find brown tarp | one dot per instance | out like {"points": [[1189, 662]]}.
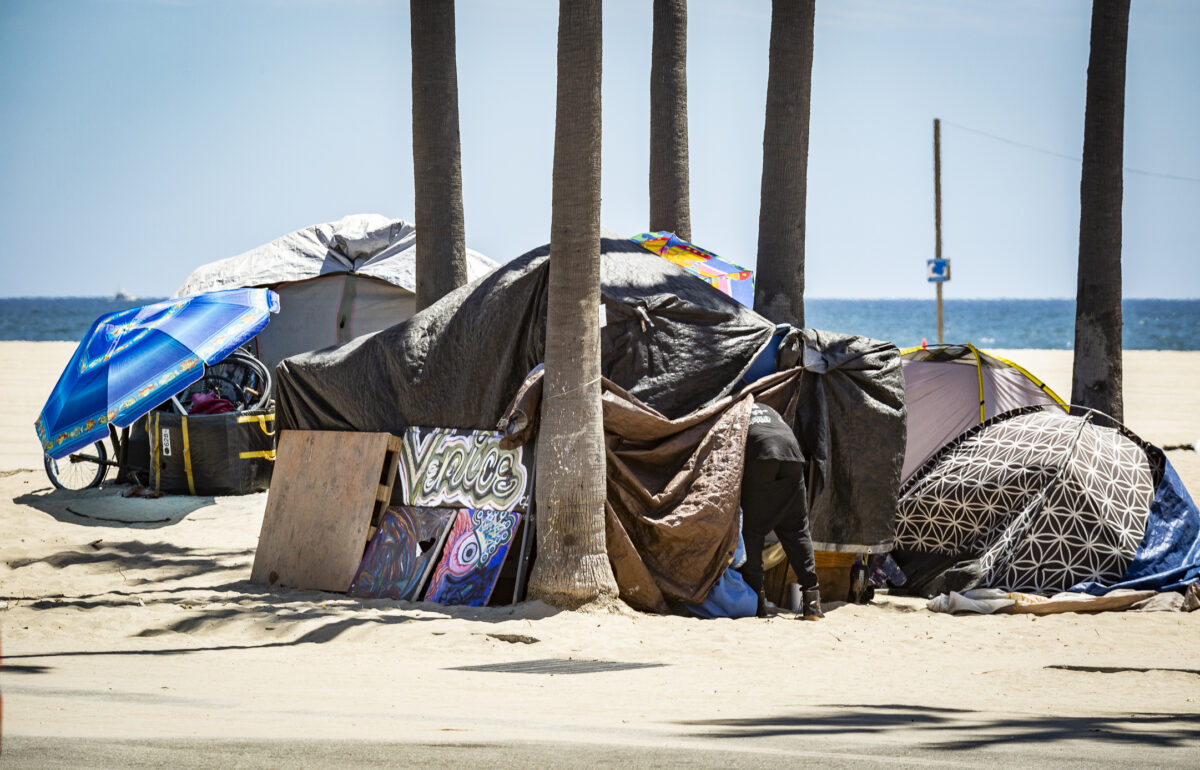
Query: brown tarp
{"points": [[673, 486]]}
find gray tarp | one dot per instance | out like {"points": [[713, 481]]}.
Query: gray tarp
{"points": [[855, 407], [671, 340], [336, 281], [363, 244]]}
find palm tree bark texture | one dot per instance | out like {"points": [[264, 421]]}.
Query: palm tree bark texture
{"points": [[779, 281], [572, 566], [441, 263], [1096, 381], [670, 207]]}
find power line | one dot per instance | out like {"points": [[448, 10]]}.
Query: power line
{"points": [[1042, 150]]}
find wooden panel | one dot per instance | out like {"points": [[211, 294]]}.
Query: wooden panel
{"points": [[324, 493], [833, 573], [387, 479]]}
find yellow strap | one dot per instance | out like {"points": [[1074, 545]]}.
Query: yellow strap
{"points": [[152, 429], [266, 454], [261, 419], [1043, 386], [979, 374], [187, 458]]}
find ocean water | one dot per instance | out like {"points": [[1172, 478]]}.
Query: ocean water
{"points": [[41, 319], [1150, 324]]}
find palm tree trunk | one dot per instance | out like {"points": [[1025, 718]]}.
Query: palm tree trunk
{"points": [[1096, 379], [441, 263], [572, 565], [669, 194], [779, 281]]}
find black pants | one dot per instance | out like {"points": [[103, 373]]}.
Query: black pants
{"points": [[774, 497]]}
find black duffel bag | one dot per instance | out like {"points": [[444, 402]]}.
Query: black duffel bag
{"points": [[213, 454]]}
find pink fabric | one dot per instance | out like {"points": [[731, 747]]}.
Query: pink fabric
{"points": [[210, 403]]}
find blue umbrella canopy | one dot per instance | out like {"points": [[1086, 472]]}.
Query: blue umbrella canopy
{"points": [[131, 361]]}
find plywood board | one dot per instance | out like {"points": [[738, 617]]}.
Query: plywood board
{"points": [[326, 489]]}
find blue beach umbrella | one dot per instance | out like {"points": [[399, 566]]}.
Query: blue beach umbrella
{"points": [[131, 361]]}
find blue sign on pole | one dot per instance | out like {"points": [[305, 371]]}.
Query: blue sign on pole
{"points": [[937, 270]]}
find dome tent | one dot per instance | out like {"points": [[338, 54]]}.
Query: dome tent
{"points": [[1040, 500], [951, 388], [335, 281]]}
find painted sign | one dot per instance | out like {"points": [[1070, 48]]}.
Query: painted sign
{"points": [[472, 558], [447, 468]]}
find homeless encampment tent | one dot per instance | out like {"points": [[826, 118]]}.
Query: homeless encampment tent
{"points": [[949, 388], [335, 281], [1040, 500], [675, 352]]}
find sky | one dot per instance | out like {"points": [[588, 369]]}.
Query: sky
{"points": [[140, 139]]}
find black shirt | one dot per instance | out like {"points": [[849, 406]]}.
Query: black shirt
{"points": [[770, 438]]}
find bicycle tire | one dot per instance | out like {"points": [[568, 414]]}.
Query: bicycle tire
{"points": [[70, 473], [255, 370]]}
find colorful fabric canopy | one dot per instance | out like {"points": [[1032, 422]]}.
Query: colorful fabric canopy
{"points": [[736, 281]]}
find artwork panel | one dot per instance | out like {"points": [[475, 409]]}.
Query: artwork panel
{"points": [[471, 560], [402, 553]]}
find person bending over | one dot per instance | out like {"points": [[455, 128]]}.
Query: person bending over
{"points": [[775, 497]]}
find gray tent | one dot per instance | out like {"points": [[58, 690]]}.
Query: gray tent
{"points": [[951, 388], [336, 281]]}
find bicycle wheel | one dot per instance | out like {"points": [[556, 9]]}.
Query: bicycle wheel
{"points": [[251, 376], [79, 470]]}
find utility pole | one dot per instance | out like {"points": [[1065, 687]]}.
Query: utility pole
{"points": [[937, 217]]}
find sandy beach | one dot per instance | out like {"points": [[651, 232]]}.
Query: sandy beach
{"points": [[149, 641]]}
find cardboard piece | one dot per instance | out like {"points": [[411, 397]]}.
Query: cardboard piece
{"points": [[329, 487]]}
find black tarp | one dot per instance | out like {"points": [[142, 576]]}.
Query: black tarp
{"points": [[671, 340], [850, 420], [673, 484]]}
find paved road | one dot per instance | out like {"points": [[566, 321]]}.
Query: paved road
{"points": [[841, 737]]}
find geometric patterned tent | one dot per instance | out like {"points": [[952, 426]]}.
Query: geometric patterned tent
{"points": [[1039, 499]]}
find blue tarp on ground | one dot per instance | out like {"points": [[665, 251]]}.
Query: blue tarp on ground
{"points": [[730, 596], [1169, 557]]}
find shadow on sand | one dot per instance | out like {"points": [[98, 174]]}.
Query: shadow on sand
{"points": [[105, 507], [168, 562], [211, 605], [327, 632], [954, 729]]}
